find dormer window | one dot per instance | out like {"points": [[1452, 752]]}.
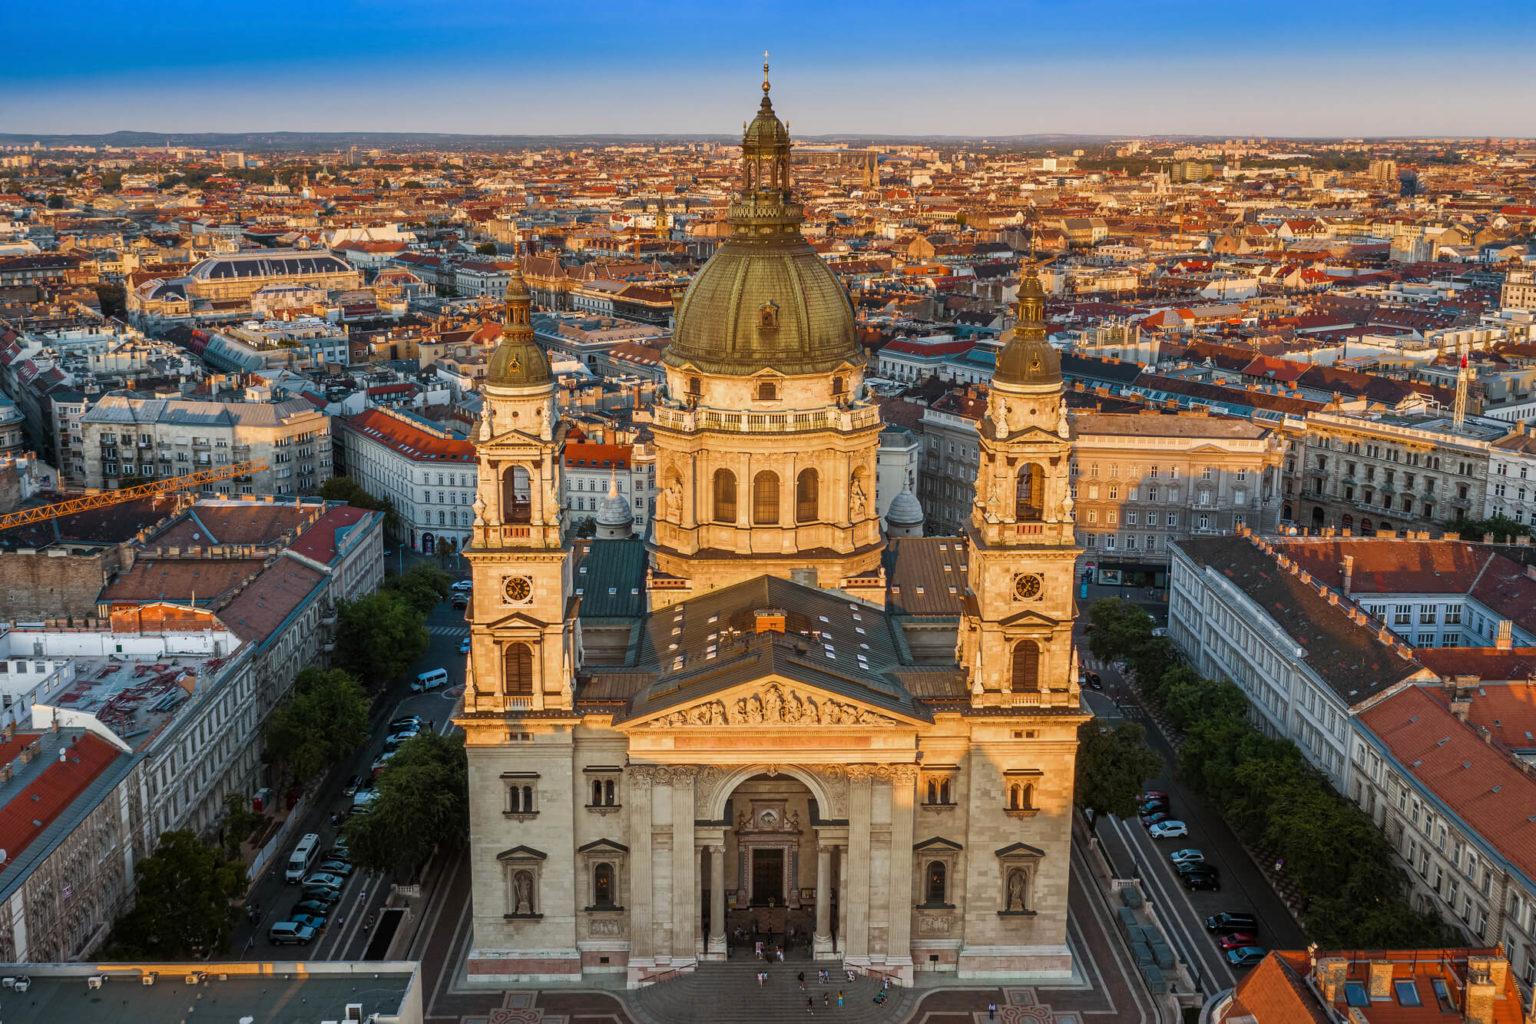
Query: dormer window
{"points": [[768, 316], [693, 386], [767, 391]]}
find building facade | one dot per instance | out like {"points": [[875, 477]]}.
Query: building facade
{"points": [[426, 473], [128, 438], [762, 753]]}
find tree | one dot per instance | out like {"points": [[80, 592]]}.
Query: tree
{"points": [[422, 803], [486, 248], [183, 906], [421, 586], [344, 488], [1503, 528], [239, 822], [1112, 766], [324, 721], [1116, 627], [586, 526], [378, 636]]}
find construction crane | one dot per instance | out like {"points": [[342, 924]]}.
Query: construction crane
{"points": [[104, 499]]}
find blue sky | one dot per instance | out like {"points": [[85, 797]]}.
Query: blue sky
{"points": [[1248, 67]]}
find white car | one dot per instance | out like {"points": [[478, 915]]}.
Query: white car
{"points": [[1187, 857], [1168, 830], [463, 586]]}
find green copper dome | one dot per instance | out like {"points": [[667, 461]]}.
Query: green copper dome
{"points": [[1027, 357], [765, 299], [518, 361]]}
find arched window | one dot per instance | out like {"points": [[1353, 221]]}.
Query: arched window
{"points": [[602, 886], [1029, 497], [516, 496], [608, 792], [1027, 797], [1348, 522], [725, 496], [597, 793], [693, 387], [1026, 667], [936, 879], [517, 670], [933, 791], [765, 498], [944, 792], [1366, 529], [1014, 797], [806, 497], [767, 391]]}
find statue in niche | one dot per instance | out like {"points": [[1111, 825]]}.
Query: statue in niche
{"points": [[857, 498], [522, 893], [1016, 890]]}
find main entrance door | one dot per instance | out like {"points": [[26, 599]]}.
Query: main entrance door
{"points": [[768, 878]]}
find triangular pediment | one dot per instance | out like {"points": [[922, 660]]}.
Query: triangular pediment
{"points": [[1029, 617], [522, 853], [514, 620], [937, 844], [771, 702]]}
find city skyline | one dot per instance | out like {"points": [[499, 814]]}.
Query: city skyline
{"points": [[1309, 70]]}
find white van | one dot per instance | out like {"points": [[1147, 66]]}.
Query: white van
{"points": [[298, 860], [430, 680]]}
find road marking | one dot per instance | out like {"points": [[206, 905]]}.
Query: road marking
{"points": [[1212, 966], [457, 631]]}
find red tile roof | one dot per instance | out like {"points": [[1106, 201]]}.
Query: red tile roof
{"points": [[408, 439], [597, 456], [27, 814], [1476, 780], [322, 539]]}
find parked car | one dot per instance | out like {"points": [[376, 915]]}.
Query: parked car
{"points": [[1151, 794], [1153, 806], [1246, 956], [463, 586], [460, 600], [364, 798], [351, 786], [1232, 921], [1156, 817], [1236, 940], [311, 908], [315, 921], [1187, 856], [323, 893], [1199, 876], [290, 933], [325, 878], [394, 739], [340, 868], [341, 851], [406, 722], [382, 760], [464, 646], [1168, 829], [1160, 631], [1095, 682], [432, 679]]}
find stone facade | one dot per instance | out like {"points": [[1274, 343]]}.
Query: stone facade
{"points": [[748, 750]]}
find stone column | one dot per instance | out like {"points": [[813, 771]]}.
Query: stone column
{"points": [[637, 804], [822, 944], [685, 882], [898, 950], [857, 894], [841, 939], [698, 880], [717, 944]]}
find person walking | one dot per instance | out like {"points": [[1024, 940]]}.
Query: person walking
{"points": [[801, 978], [991, 1011], [810, 1006], [839, 998], [826, 999]]}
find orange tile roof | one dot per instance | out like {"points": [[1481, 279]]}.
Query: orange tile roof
{"points": [[1475, 780], [597, 456], [410, 441], [28, 813]]}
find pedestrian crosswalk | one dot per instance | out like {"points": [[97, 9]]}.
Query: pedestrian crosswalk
{"points": [[454, 631]]}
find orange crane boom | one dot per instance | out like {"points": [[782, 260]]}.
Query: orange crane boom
{"points": [[103, 499]]}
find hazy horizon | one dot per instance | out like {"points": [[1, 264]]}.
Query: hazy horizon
{"points": [[1306, 69]]}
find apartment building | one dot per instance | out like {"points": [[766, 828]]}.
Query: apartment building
{"points": [[1519, 290], [591, 469], [1512, 476], [1386, 473], [427, 473], [124, 437]]}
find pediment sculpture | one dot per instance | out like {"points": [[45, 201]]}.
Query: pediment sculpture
{"points": [[775, 705]]}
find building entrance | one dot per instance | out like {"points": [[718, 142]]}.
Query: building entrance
{"points": [[768, 878]]}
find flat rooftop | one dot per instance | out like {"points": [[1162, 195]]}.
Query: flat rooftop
{"points": [[290, 993]]}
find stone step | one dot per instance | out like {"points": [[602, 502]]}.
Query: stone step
{"points": [[717, 993]]}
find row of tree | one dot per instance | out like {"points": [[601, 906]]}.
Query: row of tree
{"points": [[1354, 896]]}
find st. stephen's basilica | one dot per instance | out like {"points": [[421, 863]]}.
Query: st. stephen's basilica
{"points": [[775, 715]]}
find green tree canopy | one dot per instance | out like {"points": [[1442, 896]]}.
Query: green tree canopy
{"points": [[1113, 764], [423, 803], [1503, 529], [378, 636], [324, 720], [183, 906], [344, 488], [486, 248], [421, 586]]}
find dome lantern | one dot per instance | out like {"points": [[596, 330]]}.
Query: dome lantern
{"points": [[1027, 359], [518, 361]]}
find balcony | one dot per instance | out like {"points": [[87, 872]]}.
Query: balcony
{"points": [[844, 420]]}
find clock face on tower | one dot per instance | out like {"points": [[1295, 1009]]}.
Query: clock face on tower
{"points": [[1026, 586], [518, 589]]}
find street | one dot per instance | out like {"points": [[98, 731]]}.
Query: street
{"points": [[1136, 854], [349, 923]]}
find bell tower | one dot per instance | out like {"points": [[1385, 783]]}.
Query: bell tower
{"points": [[521, 656], [1016, 640]]}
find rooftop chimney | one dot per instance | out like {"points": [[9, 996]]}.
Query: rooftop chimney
{"points": [[1480, 996], [1504, 635], [1330, 976], [1349, 571], [1380, 984]]}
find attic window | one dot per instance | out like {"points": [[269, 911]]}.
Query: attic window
{"points": [[1407, 992]]}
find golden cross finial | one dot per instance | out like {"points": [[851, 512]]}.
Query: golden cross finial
{"points": [[765, 72]]}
